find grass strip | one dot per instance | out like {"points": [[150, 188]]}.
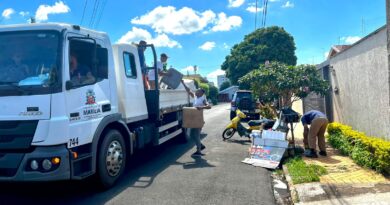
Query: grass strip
{"points": [[301, 172]]}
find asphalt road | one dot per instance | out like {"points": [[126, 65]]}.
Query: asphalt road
{"points": [[167, 175]]}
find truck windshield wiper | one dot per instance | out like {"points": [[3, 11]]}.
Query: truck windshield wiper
{"points": [[13, 84]]}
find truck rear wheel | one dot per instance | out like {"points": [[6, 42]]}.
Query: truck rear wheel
{"points": [[111, 159]]}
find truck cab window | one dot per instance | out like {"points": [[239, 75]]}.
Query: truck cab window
{"points": [[87, 64], [129, 64]]}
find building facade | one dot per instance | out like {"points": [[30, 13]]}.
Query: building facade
{"points": [[360, 86], [221, 79]]}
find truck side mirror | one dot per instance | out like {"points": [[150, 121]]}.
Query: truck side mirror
{"points": [[68, 85]]}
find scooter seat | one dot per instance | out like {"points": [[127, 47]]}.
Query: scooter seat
{"points": [[267, 123], [255, 122]]}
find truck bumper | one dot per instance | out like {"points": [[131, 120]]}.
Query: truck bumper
{"points": [[16, 166]]}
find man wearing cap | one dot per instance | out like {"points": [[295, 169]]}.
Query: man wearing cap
{"points": [[161, 68], [141, 49]]}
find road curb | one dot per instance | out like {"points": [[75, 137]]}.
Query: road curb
{"points": [[291, 187]]}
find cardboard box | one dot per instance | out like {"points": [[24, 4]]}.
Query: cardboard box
{"points": [[173, 79], [192, 117]]}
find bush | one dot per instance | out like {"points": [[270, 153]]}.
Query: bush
{"points": [[370, 152]]}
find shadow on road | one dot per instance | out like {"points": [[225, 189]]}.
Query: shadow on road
{"points": [[243, 141], [141, 171]]}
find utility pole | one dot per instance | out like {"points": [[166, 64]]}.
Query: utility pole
{"points": [[256, 16], [388, 37]]}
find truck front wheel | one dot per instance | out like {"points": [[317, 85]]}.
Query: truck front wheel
{"points": [[111, 159]]}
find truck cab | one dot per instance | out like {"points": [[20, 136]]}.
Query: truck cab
{"points": [[72, 105]]}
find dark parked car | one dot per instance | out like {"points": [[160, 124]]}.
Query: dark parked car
{"points": [[244, 100]]}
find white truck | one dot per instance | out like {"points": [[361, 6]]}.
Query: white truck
{"points": [[68, 119]]}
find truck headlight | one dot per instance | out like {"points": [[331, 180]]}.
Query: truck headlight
{"points": [[46, 164], [34, 165]]}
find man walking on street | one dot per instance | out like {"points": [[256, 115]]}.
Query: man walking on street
{"points": [[318, 123], [200, 102]]}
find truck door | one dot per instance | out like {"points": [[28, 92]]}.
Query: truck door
{"points": [[87, 87]]}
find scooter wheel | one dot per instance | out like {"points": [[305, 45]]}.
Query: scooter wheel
{"points": [[228, 133]]}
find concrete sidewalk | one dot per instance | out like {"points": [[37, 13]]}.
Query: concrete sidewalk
{"points": [[345, 183]]}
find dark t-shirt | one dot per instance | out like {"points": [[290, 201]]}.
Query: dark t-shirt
{"points": [[142, 60], [308, 117]]}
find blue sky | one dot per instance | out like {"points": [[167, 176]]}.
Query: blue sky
{"points": [[201, 32]]}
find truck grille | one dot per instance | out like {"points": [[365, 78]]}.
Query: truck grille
{"points": [[9, 163], [16, 135], [7, 172]]}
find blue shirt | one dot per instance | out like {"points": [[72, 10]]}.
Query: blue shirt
{"points": [[311, 115]]}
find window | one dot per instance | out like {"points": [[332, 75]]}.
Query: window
{"points": [[88, 62], [30, 63], [129, 63]]}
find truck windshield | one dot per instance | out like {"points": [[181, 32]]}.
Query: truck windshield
{"points": [[29, 62]]}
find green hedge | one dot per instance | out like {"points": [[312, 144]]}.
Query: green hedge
{"points": [[370, 152]]}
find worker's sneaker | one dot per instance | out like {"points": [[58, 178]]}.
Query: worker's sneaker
{"points": [[197, 154], [312, 154], [323, 153], [202, 147]]}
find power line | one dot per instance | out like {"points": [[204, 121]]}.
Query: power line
{"points": [[82, 17], [256, 16], [95, 6], [265, 12], [100, 13]]}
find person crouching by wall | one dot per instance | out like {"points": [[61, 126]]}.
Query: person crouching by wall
{"points": [[318, 123]]}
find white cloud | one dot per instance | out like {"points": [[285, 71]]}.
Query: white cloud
{"points": [[213, 76], [190, 69], [350, 39], [288, 4], [177, 22], [170, 20], [24, 13], [207, 46], [273, 0], [326, 54], [236, 3], [224, 23], [44, 10], [137, 34], [252, 9], [226, 46], [7, 13], [215, 73]]}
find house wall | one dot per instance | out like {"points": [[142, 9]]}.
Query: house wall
{"points": [[229, 92], [362, 77]]}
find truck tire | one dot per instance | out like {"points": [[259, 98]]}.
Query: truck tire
{"points": [[112, 155]]}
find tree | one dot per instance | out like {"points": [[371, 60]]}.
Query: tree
{"points": [[205, 87], [285, 83], [225, 85], [213, 94], [272, 44]]}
